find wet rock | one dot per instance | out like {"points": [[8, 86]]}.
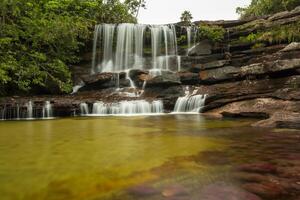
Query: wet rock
{"points": [[270, 67], [292, 47], [258, 168], [219, 74], [174, 191], [202, 48], [212, 65], [189, 78], [223, 191], [103, 80], [266, 190], [249, 177], [142, 190], [281, 120], [257, 115], [166, 79]]}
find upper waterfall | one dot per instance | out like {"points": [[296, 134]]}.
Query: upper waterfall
{"points": [[133, 46]]}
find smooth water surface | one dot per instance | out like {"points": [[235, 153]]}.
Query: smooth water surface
{"points": [[150, 157]]}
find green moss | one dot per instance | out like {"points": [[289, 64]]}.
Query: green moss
{"points": [[276, 35]]}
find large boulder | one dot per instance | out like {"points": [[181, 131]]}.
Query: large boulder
{"points": [[270, 67], [104, 80], [202, 48], [166, 79], [189, 78], [219, 74]]}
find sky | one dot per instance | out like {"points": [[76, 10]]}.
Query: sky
{"points": [[169, 11]]}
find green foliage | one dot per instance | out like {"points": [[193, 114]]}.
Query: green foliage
{"points": [[276, 35], [181, 40], [186, 17], [211, 32], [266, 7], [40, 39]]}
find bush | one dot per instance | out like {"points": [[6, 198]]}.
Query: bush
{"points": [[211, 32]]}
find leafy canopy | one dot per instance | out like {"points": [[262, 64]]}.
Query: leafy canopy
{"points": [[266, 7]]}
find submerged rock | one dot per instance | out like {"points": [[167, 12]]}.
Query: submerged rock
{"points": [[224, 191], [174, 191], [143, 190]]}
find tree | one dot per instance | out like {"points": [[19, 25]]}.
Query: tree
{"points": [[186, 17], [41, 39], [266, 7], [135, 5]]}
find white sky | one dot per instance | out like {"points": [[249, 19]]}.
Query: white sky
{"points": [[169, 11]]}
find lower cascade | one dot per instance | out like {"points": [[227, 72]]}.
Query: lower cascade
{"points": [[190, 103], [29, 110], [123, 108]]}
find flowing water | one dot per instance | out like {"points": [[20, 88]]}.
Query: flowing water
{"points": [[121, 47], [154, 157]]}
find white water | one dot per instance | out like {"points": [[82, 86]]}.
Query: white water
{"points": [[191, 37], [137, 107], [179, 63], [84, 109], [29, 110], [132, 85], [190, 103], [47, 110], [76, 88], [129, 42]]}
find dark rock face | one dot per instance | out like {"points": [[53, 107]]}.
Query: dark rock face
{"points": [[166, 79], [202, 48]]}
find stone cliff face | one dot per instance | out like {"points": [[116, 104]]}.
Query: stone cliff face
{"points": [[239, 78]]}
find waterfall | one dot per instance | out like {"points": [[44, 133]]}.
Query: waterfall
{"points": [[190, 103], [3, 113], [29, 110], [139, 46], [191, 33], [179, 63], [132, 85], [189, 36], [84, 109], [128, 108], [47, 110], [121, 47]]}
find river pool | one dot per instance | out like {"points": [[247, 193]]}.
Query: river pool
{"points": [[147, 157]]}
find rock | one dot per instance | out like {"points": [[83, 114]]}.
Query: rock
{"points": [[223, 191], [174, 191], [166, 79], [219, 74], [189, 78], [202, 48], [249, 177], [258, 168], [281, 120], [104, 80], [270, 67], [266, 190], [212, 65], [142, 190], [257, 115], [294, 46]]}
